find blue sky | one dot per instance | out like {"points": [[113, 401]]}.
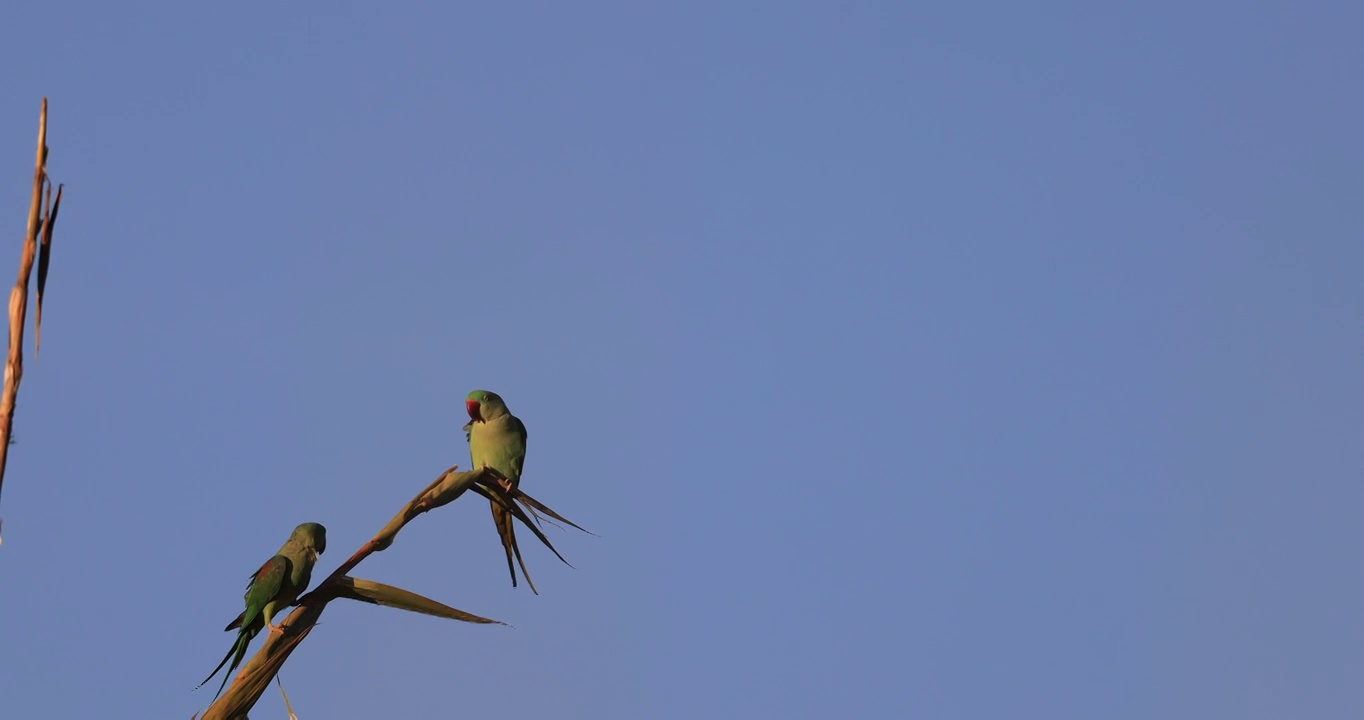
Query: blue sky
{"points": [[955, 361]]}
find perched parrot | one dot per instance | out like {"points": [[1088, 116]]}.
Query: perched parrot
{"points": [[276, 585], [497, 439]]}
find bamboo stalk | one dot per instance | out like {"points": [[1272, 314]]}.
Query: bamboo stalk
{"points": [[18, 296]]}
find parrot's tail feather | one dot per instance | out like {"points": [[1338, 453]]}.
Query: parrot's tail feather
{"points": [[236, 661], [511, 532], [502, 522], [236, 653], [238, 649], [220, 666]]}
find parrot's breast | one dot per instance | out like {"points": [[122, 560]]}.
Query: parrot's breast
{"points": [[497, 445]]}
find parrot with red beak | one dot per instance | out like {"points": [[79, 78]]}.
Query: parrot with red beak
{"points": [[497, 439]]}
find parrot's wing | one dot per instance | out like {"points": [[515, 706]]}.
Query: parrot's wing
{"points": [[262, 575], [251, 585], [518, 460], [265, 585]]}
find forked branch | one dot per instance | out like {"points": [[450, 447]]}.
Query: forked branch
{"points": [[255, 676]]}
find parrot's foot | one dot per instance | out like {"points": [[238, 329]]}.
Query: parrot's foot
{"points": [[274, 629], [506, 484]]}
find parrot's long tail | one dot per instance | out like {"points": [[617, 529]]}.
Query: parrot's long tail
{"points": [[235, 653], [506, 532]]}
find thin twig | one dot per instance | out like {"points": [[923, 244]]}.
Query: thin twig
{"points": [[287, 706]]}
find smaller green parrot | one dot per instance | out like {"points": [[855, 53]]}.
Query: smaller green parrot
{"points": [[276, 585]]}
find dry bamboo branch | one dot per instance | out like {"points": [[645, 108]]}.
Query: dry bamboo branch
{"points": [[18, 296], [255, 676]]}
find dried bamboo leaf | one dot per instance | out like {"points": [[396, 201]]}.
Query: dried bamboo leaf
{"points": [[497, 495], [532, 504], [390, 596], [45, 257]]}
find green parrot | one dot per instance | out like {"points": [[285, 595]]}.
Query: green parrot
{"points": [[276, 585], [497, 439]]}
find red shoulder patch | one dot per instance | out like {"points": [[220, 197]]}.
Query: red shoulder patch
{"points": [[265, 569]]}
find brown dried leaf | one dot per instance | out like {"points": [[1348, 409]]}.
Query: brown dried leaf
{"points": [[389, 596], [497, 495], [532, 504], [44, 258]]}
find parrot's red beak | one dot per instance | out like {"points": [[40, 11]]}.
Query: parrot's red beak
{"points": [[472, 407]]}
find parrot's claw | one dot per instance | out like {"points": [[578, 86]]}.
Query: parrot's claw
{"points": [[506, 484], [274, 629]]}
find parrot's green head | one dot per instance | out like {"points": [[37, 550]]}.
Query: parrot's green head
{"points": [[484, 405], [311, 535]]}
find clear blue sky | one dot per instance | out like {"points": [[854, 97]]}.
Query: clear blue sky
{"points": [[964, 361]]}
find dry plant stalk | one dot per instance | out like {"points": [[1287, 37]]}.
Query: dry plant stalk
{"points": [[42, 217], [254, 677]]}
